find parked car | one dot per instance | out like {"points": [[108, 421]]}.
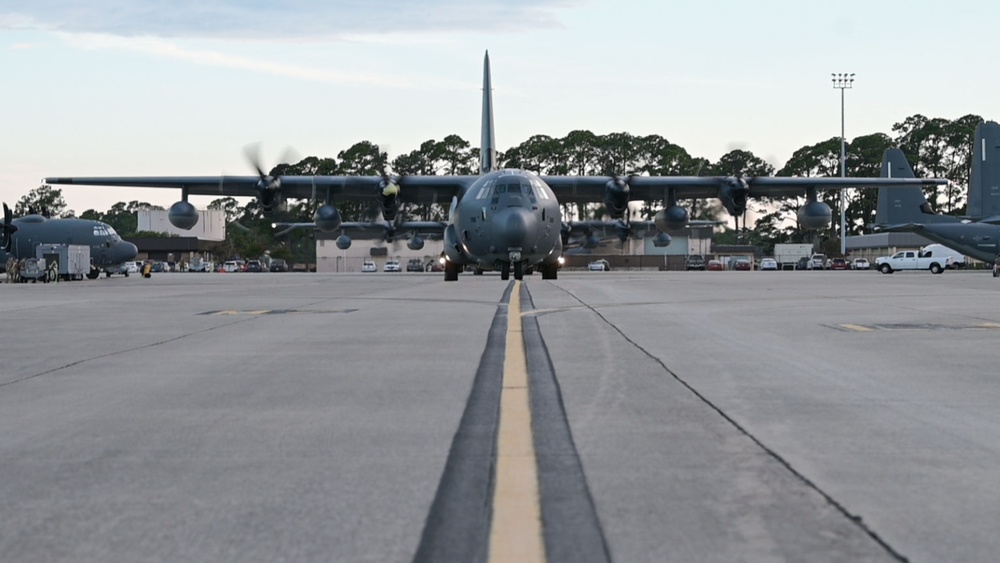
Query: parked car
{"points": [[817, 262], [768, 264], [715, 266], [415, 265], [230, 266], [254, 266], [599, 266], [278, 265], [742, 264], [802, 264], [694, 262], [861, 264], [839, 264], [392, 265], [368, 266]]}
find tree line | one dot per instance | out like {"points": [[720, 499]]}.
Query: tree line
{"points": [[935, 147]]}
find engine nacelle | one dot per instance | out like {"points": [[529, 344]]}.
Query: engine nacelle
{"points": [[388, 199], [343, 242], [616, 193], [661, 240], [327, 218], [733, 195], [269, 194], [815, 215], [183, 215], [452, 246], [415, 243], [673, 218]]}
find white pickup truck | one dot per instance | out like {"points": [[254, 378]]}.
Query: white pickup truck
{"points": [[912, 260]]}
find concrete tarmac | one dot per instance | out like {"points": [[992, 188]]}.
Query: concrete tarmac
{"points": [[678, 416]]}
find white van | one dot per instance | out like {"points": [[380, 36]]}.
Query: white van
{"points": [[958, 260]]}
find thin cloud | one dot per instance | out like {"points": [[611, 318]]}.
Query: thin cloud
{"points": [[292, 20], [163, 48]]}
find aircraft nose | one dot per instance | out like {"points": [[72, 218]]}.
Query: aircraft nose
{"points": [[123, 252], [515, 225]]}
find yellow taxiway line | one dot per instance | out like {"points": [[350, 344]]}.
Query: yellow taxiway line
{"points": [[516, 532]]}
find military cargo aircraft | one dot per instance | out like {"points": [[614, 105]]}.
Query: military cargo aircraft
{"points": [[107, 250], [976, 234], [502, 219]]}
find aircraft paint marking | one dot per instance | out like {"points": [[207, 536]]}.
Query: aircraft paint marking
{"points": [[857, 328], [516, 533]]}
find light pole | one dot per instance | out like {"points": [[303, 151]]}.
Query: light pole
{"points": [[843, 81]]}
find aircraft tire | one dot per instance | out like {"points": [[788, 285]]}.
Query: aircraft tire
{"points": [[505, 271], [518, 271], [450, 271]]}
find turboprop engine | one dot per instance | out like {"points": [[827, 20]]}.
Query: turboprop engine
{"points": [[616, 193]]}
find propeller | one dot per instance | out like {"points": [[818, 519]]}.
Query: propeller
{"points": [[8, 228], [388, 194], [268, 187]]}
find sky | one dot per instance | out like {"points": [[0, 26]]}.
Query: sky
{"points": [[140, 87]]}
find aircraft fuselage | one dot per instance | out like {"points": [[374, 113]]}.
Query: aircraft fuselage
{"points": [[106, 247], [977, 240], [505, 217]]}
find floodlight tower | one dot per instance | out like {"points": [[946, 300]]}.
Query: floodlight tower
{"points": [[843, 81]]}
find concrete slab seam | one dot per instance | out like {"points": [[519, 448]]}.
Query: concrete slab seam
{"points": [[853, 518]]}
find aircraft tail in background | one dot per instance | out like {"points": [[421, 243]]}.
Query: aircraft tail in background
{"points": [[904, 205], [984, 181]]}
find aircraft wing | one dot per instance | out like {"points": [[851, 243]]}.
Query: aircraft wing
{"points": [[413, 189], [375, 230], [589, 189], [608, 228], [900, 227]]}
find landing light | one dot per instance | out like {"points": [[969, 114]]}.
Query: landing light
{"points": [[561, 260], [441, 260]]}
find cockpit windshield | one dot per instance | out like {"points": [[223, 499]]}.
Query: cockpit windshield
{"points": [[103, 230]]}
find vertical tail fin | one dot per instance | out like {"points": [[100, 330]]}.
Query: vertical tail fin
{"points": [[488, 150], [903, 205], [984, 181]]}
